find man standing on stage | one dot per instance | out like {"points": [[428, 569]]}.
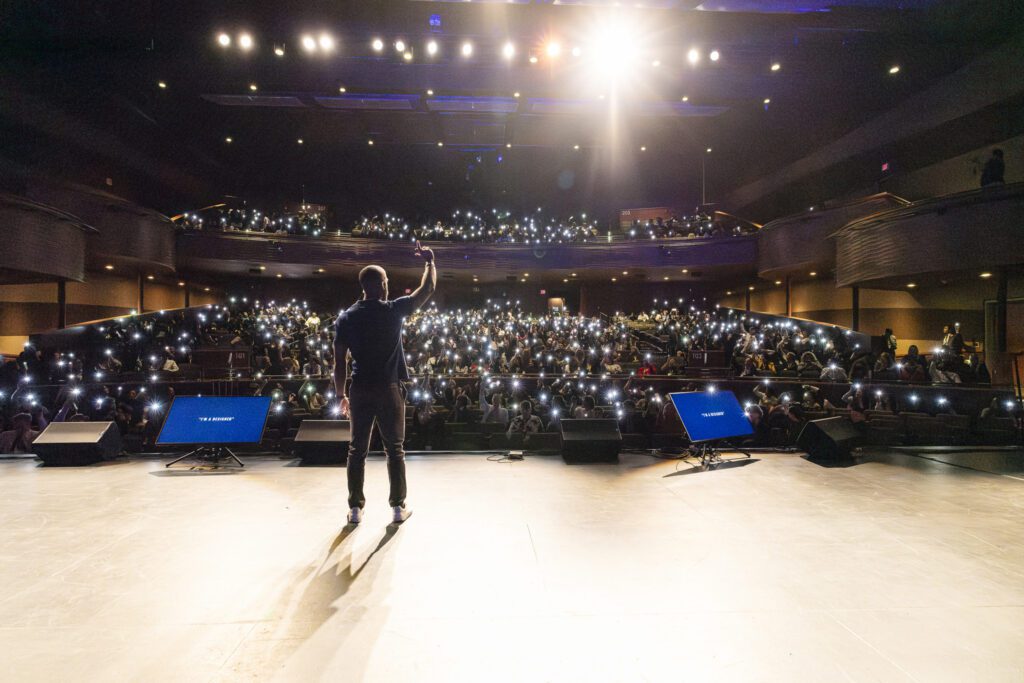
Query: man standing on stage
{"points": [[371, 330]]}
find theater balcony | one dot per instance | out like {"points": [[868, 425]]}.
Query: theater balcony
{"points": [[43, 244], [128, 236], [797, 244], [934, 241], [235, 253]]}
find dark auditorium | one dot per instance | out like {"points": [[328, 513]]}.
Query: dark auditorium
{"points": [[512, 341]]}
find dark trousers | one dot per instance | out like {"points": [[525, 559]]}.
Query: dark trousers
{"points": [[385, 405]]}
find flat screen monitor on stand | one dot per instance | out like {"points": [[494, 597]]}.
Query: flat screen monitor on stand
{"points": [[213, 424], [710, 417]]}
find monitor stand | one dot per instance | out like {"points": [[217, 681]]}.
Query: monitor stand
{"points": [[709, 455], [209, 455]]}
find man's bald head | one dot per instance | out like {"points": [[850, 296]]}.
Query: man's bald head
{"points": [[374, 281]]}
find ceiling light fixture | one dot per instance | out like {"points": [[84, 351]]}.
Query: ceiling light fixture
{"points": [[430, 91], [715, 55], [228, 140], [162, 85], [377, 44], [252, 86], [693, 56], [308, 43], [894, 69], [245, 41], [432, 48], [279, 50], [508, 50], [224, 40], [553, 49], [776, 66], [399, 45], [342, 89], [326, 42], [467, 49], [986, 275]]}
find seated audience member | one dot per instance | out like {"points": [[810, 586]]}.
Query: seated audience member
{"points": [[586, 409], [884, 368], [674, 365], [18, 439], [526, 422], [833, 372], [809, 400], [914, 368], [312, 368], [809, 367], [889, 339], [493, 411]]}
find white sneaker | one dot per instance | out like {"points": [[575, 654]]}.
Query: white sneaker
{"points": [[355, 515], [400, 514]]}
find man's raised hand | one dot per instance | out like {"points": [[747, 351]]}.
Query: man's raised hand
{"points": [[426, 252]]}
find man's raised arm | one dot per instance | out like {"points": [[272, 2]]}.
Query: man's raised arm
{"points": [[429, 282]]}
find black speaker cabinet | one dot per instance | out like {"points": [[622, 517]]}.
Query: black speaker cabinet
{"points": [[323, 442], [829, 438], [590, 440], [77, 443]]}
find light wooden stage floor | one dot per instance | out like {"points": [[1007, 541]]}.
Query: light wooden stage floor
{"points": [[898, 569]]}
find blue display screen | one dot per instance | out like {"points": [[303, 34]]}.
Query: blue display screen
{"points": [[215, 420], [710, 415]]}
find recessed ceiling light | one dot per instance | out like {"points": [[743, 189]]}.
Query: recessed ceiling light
{"points": [[686, 98], [728, 293], [643, 148], [407, 56], [714, 56], [245, 41], [224, 40], [467, 49], [430, 92], [150, 277], [685, 270], [252, 86], [326, 42], [665, 278], [263, 267], [109, 266], [162, 85], [370, 142], [181, 283], [894, 69], [440, 144], [693, 56], [228, 140], [767, 100], [508, 50], [342, 89], [813, 273], [206, 289], [299, 141], [575, 146], [279, 50], [778, 282], [708, 150], [399, 45], [533, 59], [377, 44], [432, 48], [309, 43], [986, 275], [625, 272], [515, 94], [279, 275], [911, 285], [751, 288], [508, 145], [615, 279], [553, 49], [776, 66]]}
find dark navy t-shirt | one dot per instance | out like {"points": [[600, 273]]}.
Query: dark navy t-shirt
{"points": [[372, 331]]}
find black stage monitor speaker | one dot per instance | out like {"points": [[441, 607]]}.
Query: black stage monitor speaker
{"points": [[590, 440], [77, 443], [323, 442], [829, 438]]}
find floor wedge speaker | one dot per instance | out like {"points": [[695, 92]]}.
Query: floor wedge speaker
{"points": [[830, 438], [590, 440], [77, 443], [323, 442]]}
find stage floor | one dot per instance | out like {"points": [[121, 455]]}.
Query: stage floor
{"points": [[898, 569]]}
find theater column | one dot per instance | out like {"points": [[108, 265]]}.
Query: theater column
{"points": [[1001, 312], [141, 308], [188, 295], [855, 308], [748, 300], [789, 297], [62, 304]]}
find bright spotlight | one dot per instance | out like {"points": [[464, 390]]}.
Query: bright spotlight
{"points": [[576, 51], [399, 45], [245, 41], [715, 55], [432, 48], [467, 49], [308, 43], [224, 40], [377, 44], [508, 51], [326, 42], [693, 56], [553, 49]]}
